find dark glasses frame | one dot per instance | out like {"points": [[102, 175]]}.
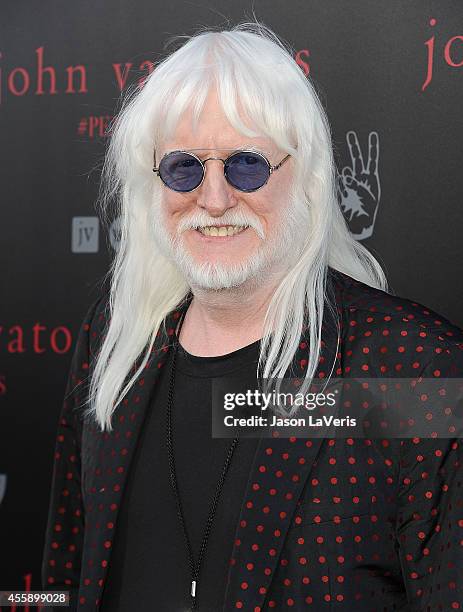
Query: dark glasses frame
{"points": [[271, 168]]}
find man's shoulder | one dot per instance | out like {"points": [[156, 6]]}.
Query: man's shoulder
{"points": [[392, 335], [375, 309]]}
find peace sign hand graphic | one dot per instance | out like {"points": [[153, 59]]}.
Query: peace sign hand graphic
{"points": [[359, 188]]}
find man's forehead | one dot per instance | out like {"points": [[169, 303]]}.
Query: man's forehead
{"points": [[228, 147], [208, 136], [265, 146]]}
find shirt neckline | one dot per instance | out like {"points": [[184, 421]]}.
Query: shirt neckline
{"points": [[218, 365]]}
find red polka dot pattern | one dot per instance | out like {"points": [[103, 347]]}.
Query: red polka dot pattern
{"points": [[351, 524]]}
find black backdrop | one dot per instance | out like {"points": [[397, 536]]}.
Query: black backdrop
{"points": [[371, 63]]}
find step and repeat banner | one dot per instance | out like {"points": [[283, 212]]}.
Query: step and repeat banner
{"points": [[390, 76]]}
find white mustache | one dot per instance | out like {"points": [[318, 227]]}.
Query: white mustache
{"points": [[235, 219]]}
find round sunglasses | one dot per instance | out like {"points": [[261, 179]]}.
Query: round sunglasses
{"points": [[245, 170]]}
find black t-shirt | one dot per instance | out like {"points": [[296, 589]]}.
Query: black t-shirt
{"points": [[149, 568]]}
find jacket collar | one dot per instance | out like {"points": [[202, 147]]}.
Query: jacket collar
{"points": [[260, 532]]}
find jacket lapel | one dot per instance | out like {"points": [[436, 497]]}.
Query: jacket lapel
{"points": [[283, 464], [106, 459]]}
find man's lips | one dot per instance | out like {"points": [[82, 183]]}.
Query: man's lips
{"points": [[202, 236]]}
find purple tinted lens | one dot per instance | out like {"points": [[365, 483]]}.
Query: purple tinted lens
{"points": [[181, 171], [247, 171]]}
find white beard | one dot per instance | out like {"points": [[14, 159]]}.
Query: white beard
{"points": [[278, 249]]}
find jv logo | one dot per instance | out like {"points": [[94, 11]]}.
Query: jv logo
{"points": [[85, 235], [358, 187]]}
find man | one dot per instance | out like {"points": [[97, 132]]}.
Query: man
{"points": [[234, 250]]}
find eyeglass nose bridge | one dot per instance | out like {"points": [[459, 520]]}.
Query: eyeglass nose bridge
{"points": [[203, 164], [219, 158]]}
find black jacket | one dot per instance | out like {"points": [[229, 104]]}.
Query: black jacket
{"points": [[326, 523]]}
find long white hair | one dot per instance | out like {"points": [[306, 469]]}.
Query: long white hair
{"points": [[253, 66]]}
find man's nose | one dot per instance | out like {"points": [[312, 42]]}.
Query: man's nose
{"points": [[215, 193]]}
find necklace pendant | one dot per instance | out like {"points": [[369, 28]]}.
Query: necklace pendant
{"points": [[193, 588]]}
